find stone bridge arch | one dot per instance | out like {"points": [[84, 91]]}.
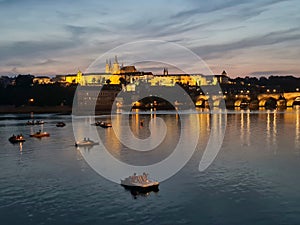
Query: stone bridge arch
{"points": [[242, 103], [268, 102], [293, 101], [272, 100], [201, 101]]}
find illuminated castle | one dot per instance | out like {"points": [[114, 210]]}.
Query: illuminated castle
{"points": [[112, 68], [116, 74], [116, 69]]}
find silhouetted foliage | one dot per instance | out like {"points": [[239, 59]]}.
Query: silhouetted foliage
{"points": [[43, 95], [24, 80]]}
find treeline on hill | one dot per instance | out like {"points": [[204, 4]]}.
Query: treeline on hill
{"points": [[37, 95], [24, 92], [283, 83]]}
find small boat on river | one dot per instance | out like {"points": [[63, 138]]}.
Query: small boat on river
{"points": [[103, 124], [36, 122], [86, 142], [60, 124], [17, 139], [140, 183], [40, 134]]}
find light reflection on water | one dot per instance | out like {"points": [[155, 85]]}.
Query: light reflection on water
{"points": [[253, 180]]}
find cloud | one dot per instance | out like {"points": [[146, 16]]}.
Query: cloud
{"points": [[48, 62], [270, 73], [247, 9], [272, 38], [20, 49], [200, 7]]}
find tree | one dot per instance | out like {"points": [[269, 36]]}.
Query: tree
{"points": [[122, 81], [24, 80]]}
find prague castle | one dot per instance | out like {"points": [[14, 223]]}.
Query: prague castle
{"points": [[130, 77]]}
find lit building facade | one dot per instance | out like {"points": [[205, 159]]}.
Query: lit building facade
{"points": [[130, 76]]}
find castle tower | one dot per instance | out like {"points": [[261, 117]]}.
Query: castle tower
{"points": [[166, 72], [107, 67], [79, 77], [116, 67]]}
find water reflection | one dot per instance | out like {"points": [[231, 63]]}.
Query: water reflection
{"points": [[261, 130], [136, 194], [274, 133], [245, 127], [21, 147], [248, 132], [242, 134], [268, 121], [297, 131]]}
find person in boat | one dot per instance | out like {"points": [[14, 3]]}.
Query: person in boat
{"points": [[39, 132], [140, 179], [134, 178], [145, 177], [84, 139]]}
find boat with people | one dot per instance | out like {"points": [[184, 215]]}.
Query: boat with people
{"points": [[103, 124], [140, 183], [35, 122], [17, 138], [86, 142], [60, 124], [40, 134]]}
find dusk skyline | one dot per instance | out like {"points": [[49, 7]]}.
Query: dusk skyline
{"points": [[259, 37]]}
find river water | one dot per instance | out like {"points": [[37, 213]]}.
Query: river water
{"points": [[255, 178]]}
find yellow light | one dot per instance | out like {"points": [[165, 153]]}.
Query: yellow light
{"points": [[31, 100]]}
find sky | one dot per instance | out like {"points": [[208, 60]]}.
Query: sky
{"points": [[245, 38]]}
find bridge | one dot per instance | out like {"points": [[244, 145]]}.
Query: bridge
{"points": [[267, 100], [281, 99]]}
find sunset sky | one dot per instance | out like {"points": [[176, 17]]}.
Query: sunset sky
{"points": [[257, 37]]}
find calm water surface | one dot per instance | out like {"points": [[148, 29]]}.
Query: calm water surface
{"points": [[255, 178]]}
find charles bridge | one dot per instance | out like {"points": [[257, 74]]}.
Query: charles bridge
{"points": [[245, 100]]}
